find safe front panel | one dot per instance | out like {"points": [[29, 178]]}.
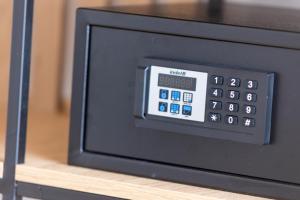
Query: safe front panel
{"points": [[111, 128]]}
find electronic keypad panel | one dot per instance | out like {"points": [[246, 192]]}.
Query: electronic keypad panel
{"points": [[210, 101], [177, 93]]}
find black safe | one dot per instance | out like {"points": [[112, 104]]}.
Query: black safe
{"points": [[195, 93]]}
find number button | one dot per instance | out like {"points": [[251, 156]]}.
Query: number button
{"points": [[217, 80], [231, 120], [234, 82], [215, 105], [214, 92], [235, 95], [251, 84], [163, 94], [250, 110], [248, 122], [250, 97], [163, 107], [214, 117], [232, 107]]}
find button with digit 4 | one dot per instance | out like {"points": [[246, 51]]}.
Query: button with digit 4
{"points": [[248, 122], [215, 92], [215, 105], [235, 95], [250, 97], [216, 80], [234, 82], [214, 117]]}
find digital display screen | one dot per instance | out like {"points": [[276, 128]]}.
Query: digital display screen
{"points": [[178, 82]]}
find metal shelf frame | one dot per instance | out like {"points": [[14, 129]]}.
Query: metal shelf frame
{"points": [[17, 115]]}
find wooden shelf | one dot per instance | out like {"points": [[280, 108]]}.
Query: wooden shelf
{"points": [[46, 165]]}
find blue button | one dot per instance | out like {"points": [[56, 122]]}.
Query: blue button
{"points": [[163, 107], [187, 110], [187, 97], [163, 94], [175, 96], [174, 108]]}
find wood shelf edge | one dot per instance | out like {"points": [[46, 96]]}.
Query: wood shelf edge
{"points": [[117, 185]]}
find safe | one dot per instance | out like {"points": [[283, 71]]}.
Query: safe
{"points": [[201, 93]]}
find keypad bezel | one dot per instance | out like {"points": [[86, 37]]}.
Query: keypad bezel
{"points": [[260, 134]]}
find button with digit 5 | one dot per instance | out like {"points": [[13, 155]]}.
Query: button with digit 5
{"points": [[235, 95]]}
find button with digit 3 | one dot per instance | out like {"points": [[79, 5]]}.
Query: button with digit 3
{"points": [[251, 84]]}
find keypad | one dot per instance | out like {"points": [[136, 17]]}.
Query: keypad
{"points": [[181, 102], [232, 103]]}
